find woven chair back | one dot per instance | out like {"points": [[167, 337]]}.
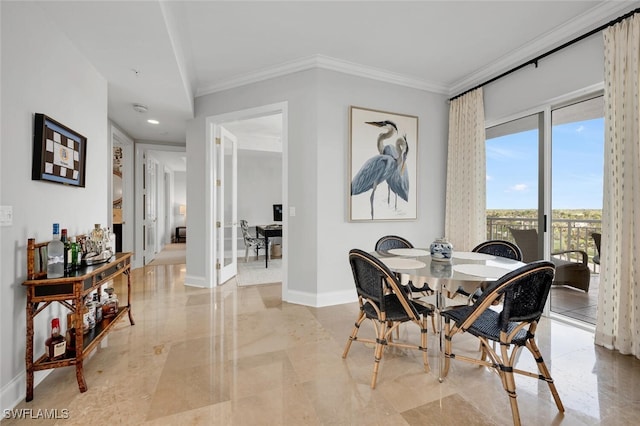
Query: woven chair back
{"points": [[500, 248], [524, 290], [373, 279], [389, 242]]}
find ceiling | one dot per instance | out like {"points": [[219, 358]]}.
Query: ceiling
{"points": [[164, 54]]}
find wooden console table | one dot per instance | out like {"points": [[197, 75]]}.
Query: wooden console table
{"points": [[70, 291]]}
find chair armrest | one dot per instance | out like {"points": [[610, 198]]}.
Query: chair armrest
{"points": [[583, 253]]}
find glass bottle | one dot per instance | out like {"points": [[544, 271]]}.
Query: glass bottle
{"points": [[71, 337], [67, 251], [98, 307], [86, 324], [76, 254], [55, 255], [56, 344], [110, 306], [91, 314]]}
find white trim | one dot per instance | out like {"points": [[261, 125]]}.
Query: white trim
{"points": [[196, 281], [328, 63], [594, 17], [322, 299]]}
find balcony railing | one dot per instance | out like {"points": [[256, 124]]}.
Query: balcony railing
{"points": [[567, 234]]}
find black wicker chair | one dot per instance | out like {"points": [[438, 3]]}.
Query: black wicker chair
{"points": [[499, 248], [597, 238], [524, 293], [389, 242], [383, 301]]}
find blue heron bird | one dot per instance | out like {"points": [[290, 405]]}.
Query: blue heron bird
{"points": [[398, 183], [379, 169]]}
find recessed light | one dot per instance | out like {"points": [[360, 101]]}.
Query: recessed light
{"points": [[151, 121]]}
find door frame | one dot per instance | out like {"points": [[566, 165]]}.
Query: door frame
{"points": [[209, 214], [118, 138], [140, 152]]}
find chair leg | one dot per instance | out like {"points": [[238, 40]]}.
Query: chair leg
{"points": [[508, 383], [379, 351], [447, 347], [354, 333], [423, 342], [246, 254], [544, 371]]}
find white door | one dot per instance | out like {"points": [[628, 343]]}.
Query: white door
{"points": [[149, 211], [226, 200]]}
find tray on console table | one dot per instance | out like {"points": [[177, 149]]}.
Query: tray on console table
{"points": [[70, 291]]}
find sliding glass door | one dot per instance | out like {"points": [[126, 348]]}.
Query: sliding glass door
{"points": [[545, 194], [514, 196], [577, 159]]}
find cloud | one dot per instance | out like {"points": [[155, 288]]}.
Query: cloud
{"points": [[519, 187], [489, 178], [580, 129]]}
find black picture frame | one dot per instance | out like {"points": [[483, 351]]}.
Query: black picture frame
{"points": [[59, 153]]}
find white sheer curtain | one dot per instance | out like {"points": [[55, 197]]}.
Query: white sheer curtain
{"points": [[465, 216], [618, 323]]}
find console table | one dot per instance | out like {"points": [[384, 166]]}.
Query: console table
{"points": [[70, 291]]}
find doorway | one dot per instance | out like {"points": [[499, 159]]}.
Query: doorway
{"points": [[248, 206]]}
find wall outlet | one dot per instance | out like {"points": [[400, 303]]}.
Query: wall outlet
{"points": [[292, 211]]}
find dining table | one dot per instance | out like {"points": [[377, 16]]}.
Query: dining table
{"points": [[463, 274]]}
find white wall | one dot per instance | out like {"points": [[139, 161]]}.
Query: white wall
{"points": [[259, 185], [320, 235], [42, 73]]}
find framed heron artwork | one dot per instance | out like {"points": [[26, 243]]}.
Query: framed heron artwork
{"points": [[383, 152]]}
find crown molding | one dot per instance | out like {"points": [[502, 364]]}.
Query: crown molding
{"points": [[581, 24], [328, 63]]}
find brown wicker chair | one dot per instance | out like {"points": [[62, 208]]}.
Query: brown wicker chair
{"points": [[523, 293], [384, 302], [573, 273]]}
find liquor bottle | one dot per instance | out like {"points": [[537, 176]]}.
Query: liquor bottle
{"points": [[71, 337], [56, 345], [76, 254], [98, 307], [67, 251], [110, 305], [91, 313], [55, 255]]}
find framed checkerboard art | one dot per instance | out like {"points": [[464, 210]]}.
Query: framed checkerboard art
{"points": [[59, 153]]}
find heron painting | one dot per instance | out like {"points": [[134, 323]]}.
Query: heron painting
{"points": [[383, 166]]}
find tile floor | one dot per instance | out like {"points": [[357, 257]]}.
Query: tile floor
{"points": [[240, 356]]}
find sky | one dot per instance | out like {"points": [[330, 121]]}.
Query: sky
{"points": [[577, 167]]}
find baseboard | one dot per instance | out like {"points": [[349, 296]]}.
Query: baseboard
{"points": [[195, 281], [14, 392], [320, 300]]}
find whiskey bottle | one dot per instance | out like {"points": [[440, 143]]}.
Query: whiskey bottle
{"points": [[55, 255], [56, 345], [110, 305], [71, 337]]}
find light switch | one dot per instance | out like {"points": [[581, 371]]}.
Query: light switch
{"points": [[6, 215], [292, 211]]}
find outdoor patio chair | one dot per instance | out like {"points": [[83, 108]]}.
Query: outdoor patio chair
{"points": [[573, 273], [597, 237]]}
